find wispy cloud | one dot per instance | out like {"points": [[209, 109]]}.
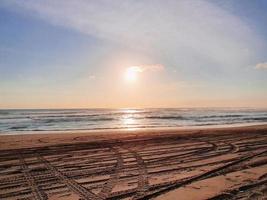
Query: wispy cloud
{"points": [[261, 66], [153, 68], [188, 29], [92, 77]]}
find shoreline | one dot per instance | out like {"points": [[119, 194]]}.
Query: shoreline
{"points": [[17, 141], [143, 129]]}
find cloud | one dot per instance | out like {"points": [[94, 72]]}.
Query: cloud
{"points": [[153, 68], [196, 32], [92, 77], [261, 66]]}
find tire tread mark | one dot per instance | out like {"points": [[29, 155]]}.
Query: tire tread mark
{"points": [[106, 190], [211, 173], [73, 185], [37, 193], [232, 194], [143, 185]]}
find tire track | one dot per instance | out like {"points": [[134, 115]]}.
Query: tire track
{"points": [[73, 185], [209, 174], [141, 168], [106, 190], [37, 192], [142, 175], [250, 191]]}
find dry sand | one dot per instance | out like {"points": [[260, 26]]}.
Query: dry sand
{"points": [[221, 163]]}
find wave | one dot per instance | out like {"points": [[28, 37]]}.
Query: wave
{"points": [[223, 116], [256, 118], [209, 117], [86, 119], [166, 117], [18, 127], [63, 120], [4, 112]]}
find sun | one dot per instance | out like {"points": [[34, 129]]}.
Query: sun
{"points": [[131, 73]]}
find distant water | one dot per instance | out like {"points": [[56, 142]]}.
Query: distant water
{"points": [[19, 121]]}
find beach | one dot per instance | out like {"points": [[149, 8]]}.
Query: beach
{"points": [[133, 100], [198, 163]]}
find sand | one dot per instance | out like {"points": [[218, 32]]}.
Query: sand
{"points": [[207, 163]]}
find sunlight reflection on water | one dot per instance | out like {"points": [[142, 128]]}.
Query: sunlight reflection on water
{"points": [[128, 119]]}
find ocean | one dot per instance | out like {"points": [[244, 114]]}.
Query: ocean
{"points": [[38, 120]]}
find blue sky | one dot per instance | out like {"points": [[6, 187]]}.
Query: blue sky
{"points": [[74, 53]]}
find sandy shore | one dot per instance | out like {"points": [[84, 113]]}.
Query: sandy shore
{"points": [[214, 163]]}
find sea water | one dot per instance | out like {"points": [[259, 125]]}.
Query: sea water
{"points": [[19, 121]]}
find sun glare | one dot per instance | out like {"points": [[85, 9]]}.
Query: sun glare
{"points": [[131, 73]]}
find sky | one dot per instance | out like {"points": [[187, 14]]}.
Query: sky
{"points": [[133, 54]]}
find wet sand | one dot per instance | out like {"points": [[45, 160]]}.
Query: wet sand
{"points": [[218, 163]]}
